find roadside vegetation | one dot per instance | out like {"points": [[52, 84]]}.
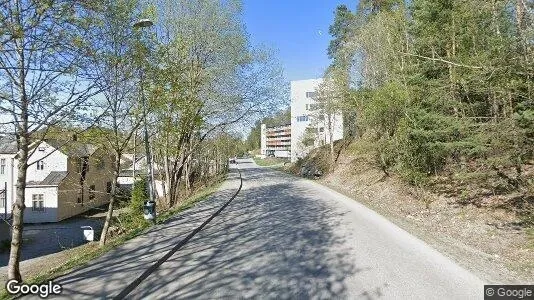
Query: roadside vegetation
{"points": [[131, 226], [444, 97], [181, 74], [440, 94], [270, 161], [437, 99]]}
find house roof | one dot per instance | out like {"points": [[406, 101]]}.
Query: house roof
{"points": [[142, 172], [73, 148], [128, 173], [54, 178], [8, 145], [127, 161]]}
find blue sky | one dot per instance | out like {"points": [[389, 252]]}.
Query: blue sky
{"points": [[297, 29]]}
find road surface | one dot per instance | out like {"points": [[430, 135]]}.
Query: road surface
{"points": [[281, 238]]}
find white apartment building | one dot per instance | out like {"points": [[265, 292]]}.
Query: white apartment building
{"points": [[309, 128], [276, 141]]}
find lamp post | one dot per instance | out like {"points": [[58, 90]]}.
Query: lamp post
{"points": [[144, 23]]}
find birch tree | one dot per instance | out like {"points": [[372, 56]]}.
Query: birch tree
{"points": [[209, 78], [45, 79], [118, 62]]}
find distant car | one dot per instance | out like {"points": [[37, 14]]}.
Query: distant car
{"points": [[270, 155], [233, 161]]}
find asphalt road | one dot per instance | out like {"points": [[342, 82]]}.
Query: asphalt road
{"points": [[281, 238]]}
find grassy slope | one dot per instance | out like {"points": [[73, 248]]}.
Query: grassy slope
{"points": [[269, 161], [464, 231]]}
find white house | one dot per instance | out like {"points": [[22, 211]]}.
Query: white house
{"points": [[128, 165], [62, 180], [8, 174], [305, 120]]}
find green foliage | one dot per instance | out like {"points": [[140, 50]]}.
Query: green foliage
{"points": [[385, 107], [442, 86], [339, 29], [139, 196]]}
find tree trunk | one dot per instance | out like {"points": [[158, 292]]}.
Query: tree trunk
{"points": [[187, 174], [13, 270], [113, 196], [331, 133]]}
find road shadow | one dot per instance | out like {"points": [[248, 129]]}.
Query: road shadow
{"points": [[271, 242], [110, 273]]}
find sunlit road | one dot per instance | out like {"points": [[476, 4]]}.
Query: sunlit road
{"points": [[281, 238]]}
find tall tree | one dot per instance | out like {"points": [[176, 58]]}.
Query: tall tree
{"points": [[208, 78], [118, 62], [45, 79]]}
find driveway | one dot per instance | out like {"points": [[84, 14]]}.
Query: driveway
{"points": [[282, 237], [43, 239]]}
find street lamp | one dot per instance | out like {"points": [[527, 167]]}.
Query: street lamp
{"points": [[143, 23]]}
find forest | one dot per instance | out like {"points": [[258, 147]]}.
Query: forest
{"points": [[441, 92]]}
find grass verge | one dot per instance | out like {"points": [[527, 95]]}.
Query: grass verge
{"points": [[269, 161], [88, 252]]}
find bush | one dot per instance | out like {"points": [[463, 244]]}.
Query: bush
{"points": [[139, 196]]}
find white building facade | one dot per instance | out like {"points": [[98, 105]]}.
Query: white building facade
{"points": [[137, 164], [8, 175], [309, 127]]}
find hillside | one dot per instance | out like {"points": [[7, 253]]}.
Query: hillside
{"points": [[491, 235]]}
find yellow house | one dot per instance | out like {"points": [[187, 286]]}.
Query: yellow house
{"points": [[66, 179]]}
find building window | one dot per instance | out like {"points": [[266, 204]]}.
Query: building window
{"points": [[2, 166], [92, 192], [38, 202], [3, 199], [302, 118], [310, 94], [40, 165]]}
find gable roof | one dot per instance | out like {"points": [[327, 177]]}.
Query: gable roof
{"points": [[73, 148], [127, 160], [54, 179], [8, 145]]}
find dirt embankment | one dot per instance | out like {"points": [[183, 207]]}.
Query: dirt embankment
{"points": [[485, 240]]}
